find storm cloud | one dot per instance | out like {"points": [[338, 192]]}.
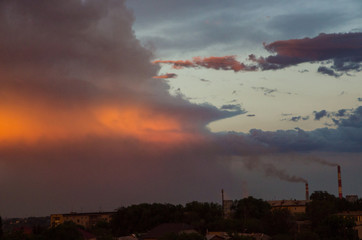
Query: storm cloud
{"points": [[344, 49], [81, 111], [85, 125]]}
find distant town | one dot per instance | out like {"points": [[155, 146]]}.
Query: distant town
{"points": [[320, 216]]}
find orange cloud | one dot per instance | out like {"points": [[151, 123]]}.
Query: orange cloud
{"points": [[178, 64], [218, 63], [140, 123], [31, 123], [165, 76]]}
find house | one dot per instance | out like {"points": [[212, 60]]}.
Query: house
{"points": [[217, 236], [225, 236], [256, 236], [357, 217], [130, 237]]}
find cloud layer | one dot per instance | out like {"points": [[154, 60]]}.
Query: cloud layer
{"points": [[343, 49]]}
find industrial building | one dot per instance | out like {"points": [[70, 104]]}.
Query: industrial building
{"points": [[294, 206]]}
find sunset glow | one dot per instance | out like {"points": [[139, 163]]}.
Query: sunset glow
{"points": [[31, 124]]}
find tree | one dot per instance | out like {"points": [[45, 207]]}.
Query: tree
{"points": [[67, 230], [142, 217], [307, 235], [322, 205], [102, 230], [280, 221], [250, 208], [337, 228], [1, 228], [202, 215], [250, 212]]}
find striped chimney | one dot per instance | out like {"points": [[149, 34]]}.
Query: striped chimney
{"points": [[339, 182], [306, 191]]}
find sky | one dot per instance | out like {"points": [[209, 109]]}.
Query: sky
{"points": [[107, 103]]}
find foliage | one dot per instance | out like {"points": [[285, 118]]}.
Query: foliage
{"points": [[283, 236], [250, 213], [250, 208], [279, 221], [307, 235], [67, 230], [323, 205], [321, 211], [141, 218], [102, 230], [202, 215], [337, 227], [1, 228], [15, 235], [182, 236]]}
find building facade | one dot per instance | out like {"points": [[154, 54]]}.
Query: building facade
{"points": [[294, 206], [357, 217], [86, 220]]}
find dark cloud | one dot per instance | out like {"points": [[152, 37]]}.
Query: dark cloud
{"points": [[296, 119], [328, 71], [354, 120], [345, 138], [83, 122], [345, 49], [341, 113], [359, 99], [320, 114], [232, 107], [267, 91], [213, 26], [204, 80], [250, 115]]}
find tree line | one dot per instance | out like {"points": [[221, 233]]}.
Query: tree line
{"points": [[249, 215]]}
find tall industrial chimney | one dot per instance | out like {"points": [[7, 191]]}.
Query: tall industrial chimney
{"points": [[222, 202], [339, 182], [306, 191]]}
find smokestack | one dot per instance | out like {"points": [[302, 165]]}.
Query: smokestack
{"points": [[339, 182], [222, 201], [306, 191]]}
